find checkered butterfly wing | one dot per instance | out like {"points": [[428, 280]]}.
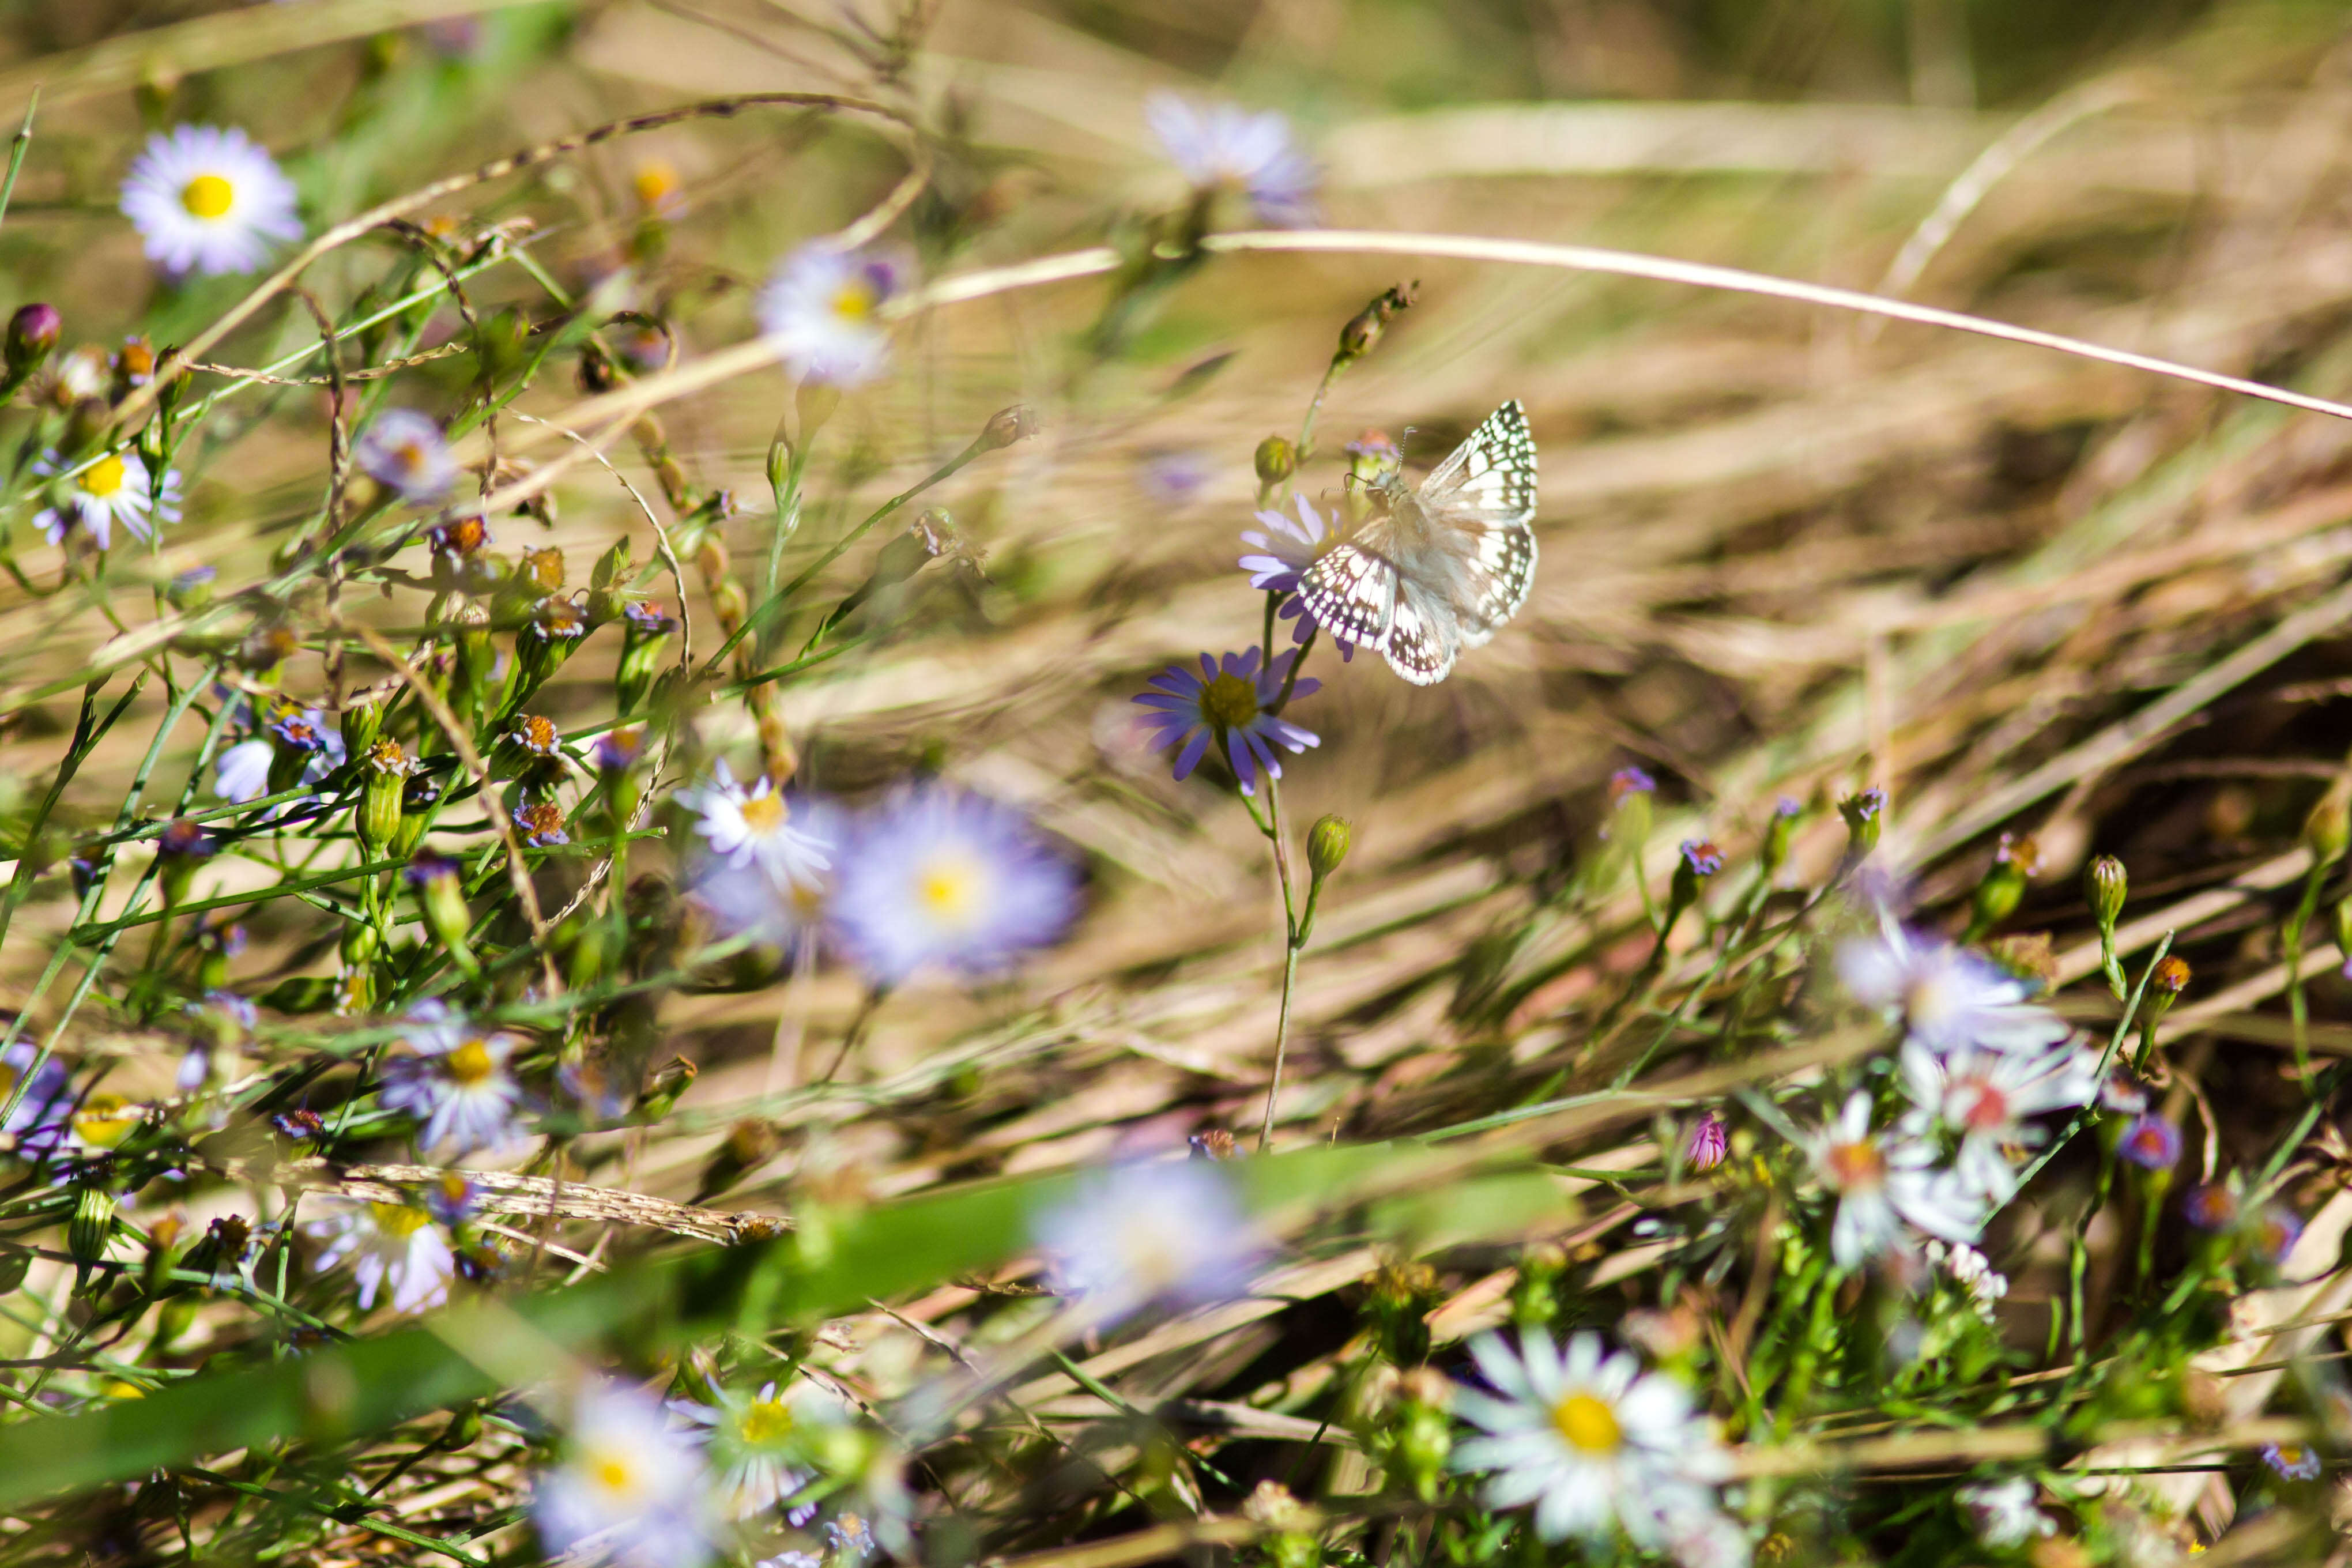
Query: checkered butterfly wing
{"points": [[1483, 496]]}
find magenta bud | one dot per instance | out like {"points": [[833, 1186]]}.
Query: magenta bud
{"points": [[32, 334]]}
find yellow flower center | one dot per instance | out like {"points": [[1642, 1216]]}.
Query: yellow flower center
{"points": [[207, 196], [1853, 1165], [102, 478], [470, 1064], [947, 887], [655, 184], [1587, 1424], [612, 1470], [397, 1219], [854, 302], [1228, 701], [104, 1122], [766, 1421], [763, 813]]}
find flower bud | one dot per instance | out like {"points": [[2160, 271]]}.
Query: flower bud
{"points": [[669, 1080], [16, 1262], [2343, 931], [540, 572], [644, 629], [1277, 460], [2171, 979], [1327, 844], [383, 774], [2329, 827], [420, 800], [1007, 426], [1777, 833], [2104, 885], [360, 723], [605, 582], [180, 849], [32, 337], [1707, 1143], [2015, 859], [441, 893], [91, 1227], [1864, 814], [192, 589]]}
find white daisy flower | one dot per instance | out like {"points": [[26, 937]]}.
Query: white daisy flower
{"points": [[1588, 1437], [1948, 997], [629, 1484], [1884, 1179], [405, 451], [1134, 1235], [821, 308], [393, 1247], [1985, 1097], [208, 200], [761, 1446], [1972, 1271], [455, 1082], [2003, 1513], [1704, 1538], [748, 826], [115, 488], [1221, 146]]}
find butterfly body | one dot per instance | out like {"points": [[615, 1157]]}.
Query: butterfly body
{"points": [[1438, 568]]}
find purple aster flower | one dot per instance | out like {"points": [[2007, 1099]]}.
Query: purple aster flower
{"points": [[541, 823], [821, 311], [2274, 1231], [1224, 147], [39, 1120], [454, 1080], [2152, 1141], [2291, 1461], [1228, 702], [1707, 1143], [2211, 1206], [1175, 477], [938, 877], [1630, 781], [1285, 548], [1701, 857], [1281, 554]]}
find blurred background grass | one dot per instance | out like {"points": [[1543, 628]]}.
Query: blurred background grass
{"points": [[1783, 552]]}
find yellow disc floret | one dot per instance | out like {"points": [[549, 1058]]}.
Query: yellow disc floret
{"points": [[207, 196], [1587, 1424]]}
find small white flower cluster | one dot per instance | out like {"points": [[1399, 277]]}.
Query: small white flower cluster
{"points": [[1978, 1060], [1598, 1446]]}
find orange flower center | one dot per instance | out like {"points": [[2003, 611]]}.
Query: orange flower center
{"points": [[1856, 1165]]}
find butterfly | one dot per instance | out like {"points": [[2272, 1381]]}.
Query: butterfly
{"points": [[1437, 569]]}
